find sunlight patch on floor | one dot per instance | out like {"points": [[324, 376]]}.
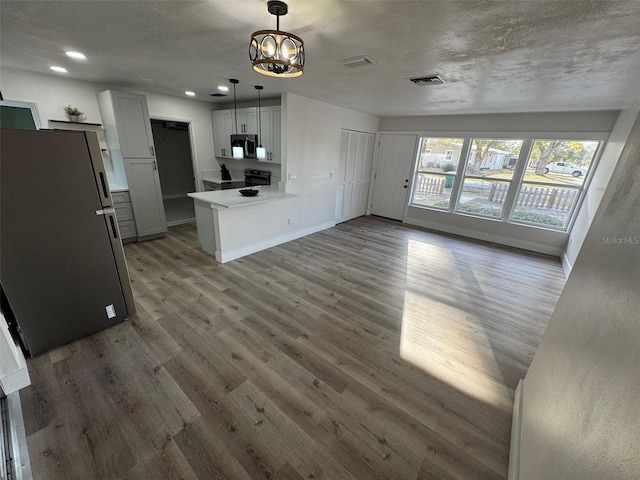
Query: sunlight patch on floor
{"points": [[433, 339]]}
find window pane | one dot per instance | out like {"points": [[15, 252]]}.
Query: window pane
{"points": [[432, 190], [493, 158], [560, 161], [547, 206], [439, 154], [483, 198]]}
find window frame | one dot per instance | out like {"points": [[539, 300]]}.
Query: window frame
{"points": [[517, 180]]}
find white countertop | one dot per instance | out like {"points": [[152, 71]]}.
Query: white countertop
{"points": [[233, 198], [114, 187]]}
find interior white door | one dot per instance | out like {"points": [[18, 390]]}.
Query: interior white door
{"points": [[393, 174]]}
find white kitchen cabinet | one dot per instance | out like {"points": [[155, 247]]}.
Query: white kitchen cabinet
{"points": [[124, 215], [133, 125], [146, 196], [248, 120], [222, 130], [354, 174], [271, 122], [224, 125], [125, 117]]}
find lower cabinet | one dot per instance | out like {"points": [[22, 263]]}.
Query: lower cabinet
{"points": [[146, 196], [124, 215]]}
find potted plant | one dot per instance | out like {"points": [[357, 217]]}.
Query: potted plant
{"points": [[73, 114], [449, 167]]}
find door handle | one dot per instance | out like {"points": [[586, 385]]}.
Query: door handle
{"points": [[153, 153], [155, 167]]}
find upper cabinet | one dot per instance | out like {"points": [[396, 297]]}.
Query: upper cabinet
{"points": [[270, 119], [224, 125], [222, 131], [133, 125], [248, 120]]}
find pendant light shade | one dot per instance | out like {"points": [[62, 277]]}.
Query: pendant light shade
{"points": [[276, 53], [236, 151], [261, 152]]}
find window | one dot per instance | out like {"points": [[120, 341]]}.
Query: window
{"points": [[542, 187], [436, 172], [553, 182], [487, 176]]}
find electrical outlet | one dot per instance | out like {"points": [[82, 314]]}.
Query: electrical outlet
{"points": [[289, 221], [331, 174]]}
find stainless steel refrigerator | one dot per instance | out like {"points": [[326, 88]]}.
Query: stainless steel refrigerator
{"points": [[62, 265]]}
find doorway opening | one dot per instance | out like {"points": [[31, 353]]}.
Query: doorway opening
{"points": [[175, 168]]}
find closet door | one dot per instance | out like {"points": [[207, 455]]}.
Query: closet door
{"points": [[353, 176]]}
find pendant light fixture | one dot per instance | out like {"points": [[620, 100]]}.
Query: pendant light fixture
{"points": [[237, 151], [276, 53], [261, 152]]}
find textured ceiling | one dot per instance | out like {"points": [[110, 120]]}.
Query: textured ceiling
{"points": [[496, 56]]}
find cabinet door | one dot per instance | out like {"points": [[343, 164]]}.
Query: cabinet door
{"points": [[146, 196], [276, 130], [248, 120], [219, 138], [264, 134], [133, 125]]}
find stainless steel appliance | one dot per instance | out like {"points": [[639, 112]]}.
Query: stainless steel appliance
{"points": [[63, 272], [248, 143], [253, 178]]}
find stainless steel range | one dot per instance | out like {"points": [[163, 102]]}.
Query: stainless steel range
{"points": [[253, 178]]}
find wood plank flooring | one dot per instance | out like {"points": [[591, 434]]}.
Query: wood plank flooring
{"points": [[367, 351]]}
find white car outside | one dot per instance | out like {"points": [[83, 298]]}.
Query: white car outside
{"points": [[564, 168]]}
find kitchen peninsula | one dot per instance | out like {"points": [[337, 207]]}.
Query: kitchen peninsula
{"points": [[231, 226]]}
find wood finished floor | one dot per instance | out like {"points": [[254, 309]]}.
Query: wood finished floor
{"points": [[366, 351]]}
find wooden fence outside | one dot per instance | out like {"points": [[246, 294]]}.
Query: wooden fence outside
{"points": [[429, 185], [541, 197]]}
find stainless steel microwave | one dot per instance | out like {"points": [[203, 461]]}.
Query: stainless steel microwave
{"points": [[249, 143]]}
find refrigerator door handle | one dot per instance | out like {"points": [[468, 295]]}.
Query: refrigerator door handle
{"points": [[105, 189], [114, 228], [106, 211]]}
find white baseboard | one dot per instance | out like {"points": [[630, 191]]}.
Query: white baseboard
{"points": [[566, 265], [257, 247], [516, 424], [487, 237]]}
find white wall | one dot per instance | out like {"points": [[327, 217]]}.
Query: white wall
{"points": [[526, 124], [581, 396], [52, 92], [599, 182], [312, 138]]}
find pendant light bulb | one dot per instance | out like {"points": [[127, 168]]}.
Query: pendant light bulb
{"points": [[237, 151], [261, 152]]}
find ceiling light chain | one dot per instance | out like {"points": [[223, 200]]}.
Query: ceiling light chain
{"points": [[276, 53]]}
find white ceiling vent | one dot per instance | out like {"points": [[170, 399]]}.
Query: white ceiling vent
{"points": [[428, 80], [357, 61]]}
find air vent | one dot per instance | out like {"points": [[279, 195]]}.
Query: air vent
{"points": [[357, 61], [217, 94], [428, 80]]}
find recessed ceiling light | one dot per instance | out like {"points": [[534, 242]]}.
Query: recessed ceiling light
{"points": [[58, 69], [223, 88], [190, 93], [76, 55]]}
